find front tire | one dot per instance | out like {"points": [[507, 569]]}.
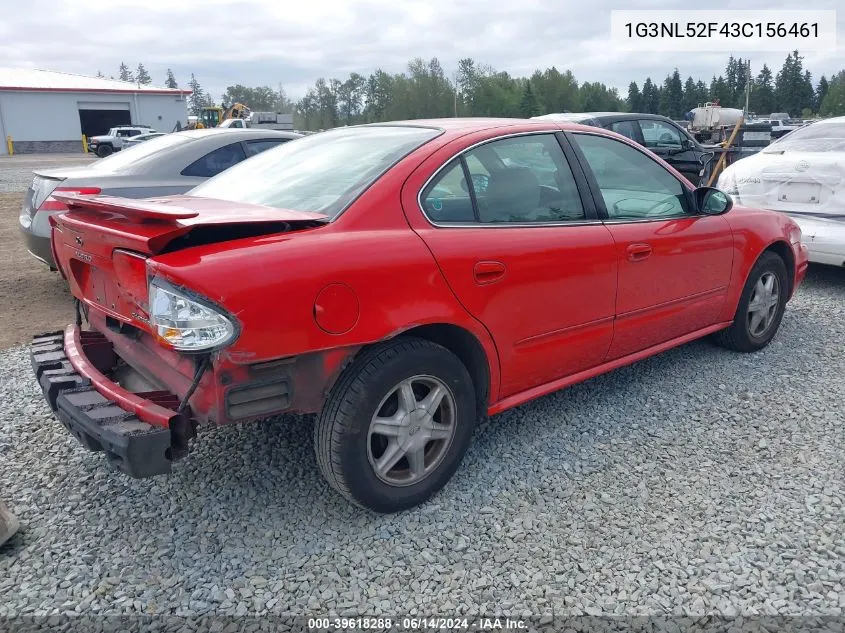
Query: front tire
{"points": [[397, 424], [104, 150], [761, 306]]}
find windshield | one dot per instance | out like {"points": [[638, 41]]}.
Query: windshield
{"points": [[323, 173], [135, 153], [816, 137]]}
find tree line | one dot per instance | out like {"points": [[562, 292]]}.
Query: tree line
{"points": [[425, 90]]}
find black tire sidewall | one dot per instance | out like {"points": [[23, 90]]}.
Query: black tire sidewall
{"points": [[768, 263], [357, 473], [104, 150]]}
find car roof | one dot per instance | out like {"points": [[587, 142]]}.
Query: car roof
{"points": [[235, 133]]}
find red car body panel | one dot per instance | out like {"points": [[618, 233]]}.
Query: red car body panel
{"points": [[309, 298]]}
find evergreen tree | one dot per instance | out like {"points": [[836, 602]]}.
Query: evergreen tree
{"points": [[763, 95], [197, 99], [672, 96], [528, 104], [834, 101], [170, 82], [142, 76], [651, 97], [635, 98], [125, 74], [102, 76], [821, 93]]}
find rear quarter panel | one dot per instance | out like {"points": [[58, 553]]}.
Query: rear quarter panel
{"points": [[270, 283]]}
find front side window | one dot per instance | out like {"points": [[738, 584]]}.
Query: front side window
{"points": [[633, 186], [523, 179], [657, 134]]}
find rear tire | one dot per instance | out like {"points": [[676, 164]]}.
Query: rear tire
{"points": [[761, 307], [396, 425], [104, 150]]}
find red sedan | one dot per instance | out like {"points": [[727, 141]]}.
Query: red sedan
{"points": [[400, 280]]}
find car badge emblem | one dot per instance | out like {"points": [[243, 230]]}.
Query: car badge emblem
{"points": [[78, 241], [802, 165]]}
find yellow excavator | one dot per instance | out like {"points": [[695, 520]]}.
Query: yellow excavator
{"points": [[213, 116]]}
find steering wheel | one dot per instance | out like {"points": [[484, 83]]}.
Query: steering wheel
{"points": [[659, 208], [662, 206]]}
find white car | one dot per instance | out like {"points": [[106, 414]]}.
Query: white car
{"points": [[802, 175]]}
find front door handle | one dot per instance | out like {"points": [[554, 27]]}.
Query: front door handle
{"points": [[638, 252], [488, 272]]}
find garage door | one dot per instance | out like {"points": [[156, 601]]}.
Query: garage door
{"points": [[97, 117]]}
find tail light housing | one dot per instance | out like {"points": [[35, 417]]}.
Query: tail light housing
{"points": [[51, 204]]}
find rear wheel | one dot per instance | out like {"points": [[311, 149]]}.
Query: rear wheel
{"points": [[104, 150], [396, 425], [761, 306]]}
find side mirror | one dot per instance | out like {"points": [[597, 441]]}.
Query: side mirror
{"points": [[712, 201]]}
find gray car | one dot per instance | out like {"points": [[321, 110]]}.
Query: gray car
{"points": [[166, 165]]}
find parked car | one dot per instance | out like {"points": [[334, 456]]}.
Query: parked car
{"points": [[115, 139], [660, 134], [135, 140], [400, 280], [803, 175], [169, 164]]}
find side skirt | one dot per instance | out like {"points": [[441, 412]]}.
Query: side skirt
{"points": [[555, 385]]}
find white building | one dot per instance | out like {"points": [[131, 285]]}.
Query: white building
{"points": [[46, 111]]}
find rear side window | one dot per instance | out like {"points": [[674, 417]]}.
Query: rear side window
{"points": [[256, 147], [518, 180], [215, 162]]}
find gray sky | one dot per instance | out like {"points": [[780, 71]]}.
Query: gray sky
{"points": [[256, 42]]}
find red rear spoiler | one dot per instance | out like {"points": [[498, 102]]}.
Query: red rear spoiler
{"points": [[160, 209]]}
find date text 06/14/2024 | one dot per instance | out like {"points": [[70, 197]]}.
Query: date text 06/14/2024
{"points": [[329, 624]]}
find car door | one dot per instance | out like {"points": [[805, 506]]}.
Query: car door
{"points": [[520, 245], [672, 145], [674, 265]]}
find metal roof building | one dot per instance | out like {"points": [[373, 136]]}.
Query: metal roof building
{"points": [[47, 111]]}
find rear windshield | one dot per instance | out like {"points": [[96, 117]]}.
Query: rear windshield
{"points": [[816, 137], [323, 172], [131, 155]]}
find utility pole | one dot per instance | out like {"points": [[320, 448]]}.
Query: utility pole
{"points": [[747, 86], [456, 94]]}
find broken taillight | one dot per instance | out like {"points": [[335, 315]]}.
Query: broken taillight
{"points": [[130, 270]]}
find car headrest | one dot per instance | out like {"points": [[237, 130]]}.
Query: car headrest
{"points": [[512, 191]]}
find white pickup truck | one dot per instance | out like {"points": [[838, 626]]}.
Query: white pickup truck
{"points": [[105, 144]]}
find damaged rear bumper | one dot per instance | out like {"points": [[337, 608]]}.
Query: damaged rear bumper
{"points": [[140, 433]]}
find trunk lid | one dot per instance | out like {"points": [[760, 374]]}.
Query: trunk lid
{"points": [[39, 190], [102, 242]]}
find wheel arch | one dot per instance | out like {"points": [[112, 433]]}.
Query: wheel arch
{"points": [[469, 350], [784, 251]]}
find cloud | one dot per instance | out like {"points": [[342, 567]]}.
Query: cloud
{"points": [[254, 42]]}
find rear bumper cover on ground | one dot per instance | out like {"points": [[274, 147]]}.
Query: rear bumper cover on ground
{"points": [[67, 378]]}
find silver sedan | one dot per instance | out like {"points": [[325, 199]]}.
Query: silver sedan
{"points": [[167, 165]]}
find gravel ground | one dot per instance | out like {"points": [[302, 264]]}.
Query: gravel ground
{"points": [[16, 171], [698, 481]]}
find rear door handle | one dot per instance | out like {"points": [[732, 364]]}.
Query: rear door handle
{"points": [[488, 272], [638, 252]]}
